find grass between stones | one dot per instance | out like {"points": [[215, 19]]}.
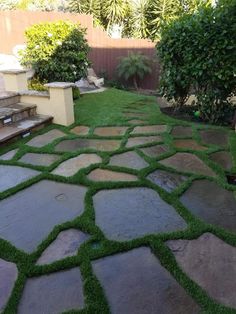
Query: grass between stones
{"points": [[107, 109]]}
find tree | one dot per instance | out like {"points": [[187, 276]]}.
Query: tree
{"points": [[134, 67], [140, 22], [92, 7]]}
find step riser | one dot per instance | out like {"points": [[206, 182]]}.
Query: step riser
{"points": [[15, 117], [9, 101]]}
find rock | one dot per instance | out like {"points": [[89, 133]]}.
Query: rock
{"points": [[100, 175], [46, 138], [128, 160], [166, 180], [39, 159]]}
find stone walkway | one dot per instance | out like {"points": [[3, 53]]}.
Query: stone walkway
{"points": [[131, 219]]}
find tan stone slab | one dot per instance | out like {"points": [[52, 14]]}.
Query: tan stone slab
{"points": [[108, 175], [46, 138], [182, 131], [80, 130], [143, 140], [149, 129], [136, 122], [128, 160], [155, 151], [110, 131], [188, 144]]}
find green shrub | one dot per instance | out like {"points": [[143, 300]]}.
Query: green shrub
{"points": [[197, 53], [76, 93], [36, 84], [57, 51]]}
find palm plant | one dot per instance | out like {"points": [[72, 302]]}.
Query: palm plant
{"points": [[92, 7], [134, 67], [140, 19]]}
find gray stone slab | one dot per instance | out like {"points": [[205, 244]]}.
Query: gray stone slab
{"points": [[210, 262], [46, 138], [182, 131], [99, 175], [224, 159], [189, 144], [26, 218], [136, 122], [110, 131], [149, 129], [11, 176], [8, 276], [214, 137], [166, 180], [39, 159], [211, 203], [53, 294], [186, 162], [135, 282], [143, 140], [130, 213], [66, 244], [9, 155], [101, 145], [128, 160], [155, 151], [71, 166], [80, 130]]}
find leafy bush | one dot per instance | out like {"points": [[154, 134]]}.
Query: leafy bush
{"points": [[197, 53], [36, 84], [57, 51], [134, 67]]}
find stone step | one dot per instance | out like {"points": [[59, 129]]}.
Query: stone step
{"points": [[8, 98], [16, 112], [23, 128]]}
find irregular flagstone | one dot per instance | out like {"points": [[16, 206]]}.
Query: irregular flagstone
{"points": [[166, 180], [136, 114], [189, 144], [108, 175], [9, 155], [135, 282], [101, 145], [155, 151], [71, 166], [214, 137], [8, 276], [210, 262], [26, 218], [54, 293], [149, 129], [143, 140], [46, 138], [11, 176], [66, 244], [136, 121], [182, 131], [128, 160], [130, 213], [224, 159], [211, 203], [110, 131], [186, 162], [80, 130], [39, 159]]}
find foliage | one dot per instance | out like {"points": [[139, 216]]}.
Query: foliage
{"points": [[134, 67], [36, 84], [57, 51], [44, 5], [76, 92], [197, 53], [92, 7]]}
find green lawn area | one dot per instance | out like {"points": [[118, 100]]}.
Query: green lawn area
{"points": [[110, 108]]}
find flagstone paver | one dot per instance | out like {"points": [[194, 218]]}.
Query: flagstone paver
{"points": [[136, 114], [39, 159], [108, 175], [26, 218], [189, 144], [54, 293], [80, 130], [66, 244], [211, 203], [100, 145], [135, 282], [9, 155], [8, 276], [155, 151], [110, 131], [149, 129], [214, 137], [71, 166], [210, 262], [143, 140], [10, 176], [128, 160], [136, 121], [166, 180], [186, 162], [126, 214], [46, 138], [224, 159], [182, 131]]}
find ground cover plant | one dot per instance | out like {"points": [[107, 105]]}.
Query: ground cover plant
{"points": [[117, 108]]}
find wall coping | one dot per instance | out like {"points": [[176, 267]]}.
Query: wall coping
{"points": [[13, 71], [34, 93], [60, 85]]}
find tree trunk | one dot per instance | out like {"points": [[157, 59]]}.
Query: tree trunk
{"points": [[135, 82]]}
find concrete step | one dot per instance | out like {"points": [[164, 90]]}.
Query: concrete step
{"points": [[16, 112], [8, 98], [23, 128]]}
